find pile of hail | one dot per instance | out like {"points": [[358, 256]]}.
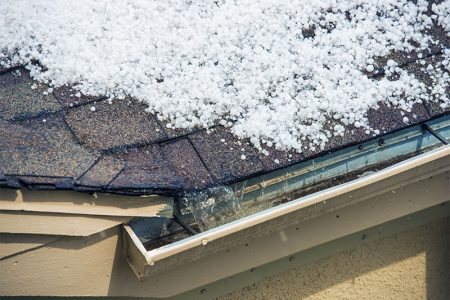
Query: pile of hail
{"points": [[273, 71]]}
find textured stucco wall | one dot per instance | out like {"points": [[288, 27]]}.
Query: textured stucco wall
{"points": [[414, 264]]}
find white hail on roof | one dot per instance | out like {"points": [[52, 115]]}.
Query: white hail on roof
{"points": [[246, 64]]}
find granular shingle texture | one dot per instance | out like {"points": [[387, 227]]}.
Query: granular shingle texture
{"points": [[199, 63], [47, 182], [54, 151], [102, 172], [68, 97], [86, 143], [185, 160], [5, 69], [387, 119], [275, 159], [418, 68], [19, 100], [147, 169], [95, 125], [227, 158], [15, 137], [351, 135]]}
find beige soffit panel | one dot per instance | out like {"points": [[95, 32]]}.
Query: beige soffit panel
{"points": [[95, 265], [56, 224], [67, 267], [13, 244], [70, 202]]}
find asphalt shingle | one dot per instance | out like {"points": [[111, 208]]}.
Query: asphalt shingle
{"points": [[46, 181], [15, 137], [279, 159], [6, 68], [48, 143], [57, 153], [387, 119], [102, 172], [351, 135], [146, 168], [174, 133], [18, 100], [435, 108], [187, 163], [223, 156], [119, 124], [66, 97]]}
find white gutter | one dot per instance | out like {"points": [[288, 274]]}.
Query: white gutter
{"points": [[292, 206]]}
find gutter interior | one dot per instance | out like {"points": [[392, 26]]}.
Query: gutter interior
{"points": [[207, 209]]}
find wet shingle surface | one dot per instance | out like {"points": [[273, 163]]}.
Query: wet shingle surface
{"points": [[226, 157], [278, 159], [47, 181], [439, 42], [6, 68], [104, 125], [146, 168], [19, 100], [173, 133], [418, 68], [388, 118], [351, 135], [183, 157], [70, 98], [15, 137], [102, 172], [57, 154], [85, 143]]}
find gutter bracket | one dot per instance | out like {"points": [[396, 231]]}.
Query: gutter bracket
{"points": [[427, 127]]}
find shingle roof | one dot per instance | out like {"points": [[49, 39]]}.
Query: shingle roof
{"points": [[57, 141]]}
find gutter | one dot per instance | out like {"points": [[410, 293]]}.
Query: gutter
{"points": [[220, 205], [284, 209], [396, 191]]}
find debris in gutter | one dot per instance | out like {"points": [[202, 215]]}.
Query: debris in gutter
{"points": [[220, 205], [213, 207]]}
